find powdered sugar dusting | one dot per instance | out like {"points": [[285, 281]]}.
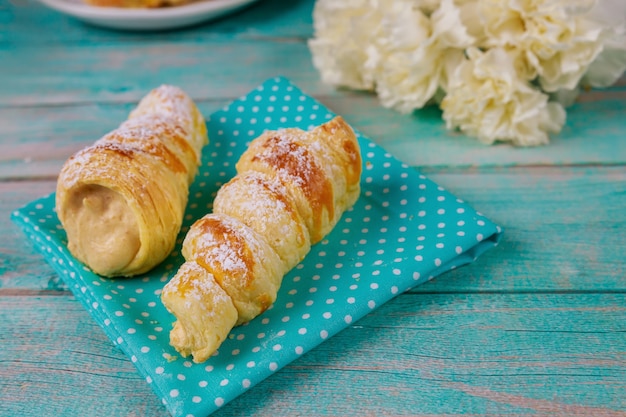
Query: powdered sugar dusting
{"points": [[256, 194], [167, 100], [165, 111], [197, 286], [221, 242]]}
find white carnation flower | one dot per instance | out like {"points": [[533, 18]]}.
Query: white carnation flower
{"points": [[417, 53], [487, 99], [345, 34], [611, 63], [500, 70], [557, 38], [404, 49]]}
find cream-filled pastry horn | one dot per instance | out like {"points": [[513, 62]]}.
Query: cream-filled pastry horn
{"points": [[121, 200], [290, 190]]}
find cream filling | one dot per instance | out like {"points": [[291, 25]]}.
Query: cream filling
{"points": [[101, 228]]}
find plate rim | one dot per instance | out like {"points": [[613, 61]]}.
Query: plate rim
{"points": [[119, 17]]}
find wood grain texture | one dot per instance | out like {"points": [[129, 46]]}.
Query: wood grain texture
{"points": [[422, 140], [535, 327], [57, 357], [562, 230], [52, 133], [122, 73], [420, 354]]}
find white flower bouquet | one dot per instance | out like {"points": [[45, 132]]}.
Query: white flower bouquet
{"points": [[500, 70]]}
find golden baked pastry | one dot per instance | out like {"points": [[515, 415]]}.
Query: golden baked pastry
{"points": [[290, 190], [137, 4], [121, 200]]}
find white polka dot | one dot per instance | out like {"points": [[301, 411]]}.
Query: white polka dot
{"points": [[348, 319], [196, 399], [159, 370], [219, 401], [273, 366], [323, 334], [299, 350], [245, 383], [174, 393]]}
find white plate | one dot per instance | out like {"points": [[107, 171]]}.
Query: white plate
{"points": [[147, 19]]}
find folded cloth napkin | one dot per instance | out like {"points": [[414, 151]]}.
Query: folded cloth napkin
{"points": [[403, 231]]}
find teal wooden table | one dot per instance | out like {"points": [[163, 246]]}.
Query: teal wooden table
{"points": [[536, 326]]}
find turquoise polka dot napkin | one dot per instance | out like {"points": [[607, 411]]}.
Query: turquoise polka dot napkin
{"points": [[403, 230]]}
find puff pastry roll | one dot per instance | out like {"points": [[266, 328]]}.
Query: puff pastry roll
{"points": [[121, 200], [290, 190]]}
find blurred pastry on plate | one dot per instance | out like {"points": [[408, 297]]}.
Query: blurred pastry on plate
{"points": [[137, 4]]}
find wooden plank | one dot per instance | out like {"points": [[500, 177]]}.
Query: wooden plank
{"points": [[27, 20], [563, 231], [79, 74], [36, 140], [49, 135], [564, 228], [21, 267], [56, 361], [592, 135], [488, 355]]}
